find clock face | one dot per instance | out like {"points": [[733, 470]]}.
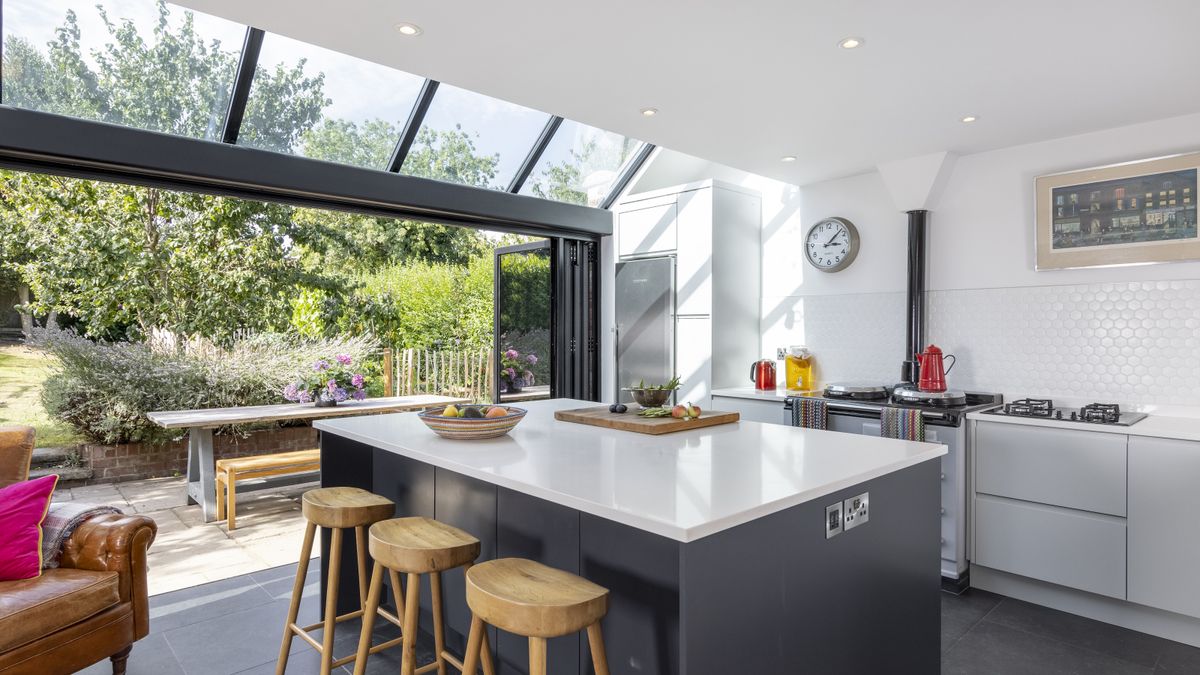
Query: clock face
{"points": [[831, 244]]}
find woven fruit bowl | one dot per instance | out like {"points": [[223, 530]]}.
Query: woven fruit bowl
{"points": [[472, 428]]}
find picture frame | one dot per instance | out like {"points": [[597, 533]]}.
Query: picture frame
{"points": [[1134, 213]]}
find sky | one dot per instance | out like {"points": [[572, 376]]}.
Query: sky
{"points": [[360, 90]]}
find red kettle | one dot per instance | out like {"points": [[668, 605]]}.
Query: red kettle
{"points": [[933, 375], [762, 374]]}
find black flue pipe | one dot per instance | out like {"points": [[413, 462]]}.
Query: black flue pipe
{"points": [[914, 336]]}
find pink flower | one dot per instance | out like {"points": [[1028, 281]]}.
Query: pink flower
{"points": [[305, 396], [343, 359], [511, 354], [331, 385], [532, 359], [357, 380]]}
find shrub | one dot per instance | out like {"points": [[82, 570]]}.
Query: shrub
{"points": [[105, 389]]}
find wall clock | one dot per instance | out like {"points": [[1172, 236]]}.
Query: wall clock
{"points": [[831, 244]]}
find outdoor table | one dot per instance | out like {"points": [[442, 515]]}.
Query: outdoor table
{"points": [[201, 465]]}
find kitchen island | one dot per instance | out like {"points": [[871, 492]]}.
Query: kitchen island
{"points": [[712, 542]]}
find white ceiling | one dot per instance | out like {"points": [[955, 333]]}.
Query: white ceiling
{"points": [[746, 83]]}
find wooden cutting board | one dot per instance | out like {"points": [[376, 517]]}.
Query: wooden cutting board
{"points": [[629, 421]]}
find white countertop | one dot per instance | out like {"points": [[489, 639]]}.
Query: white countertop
{"points": [[779, 395], [684, 486], [1156, 426]]}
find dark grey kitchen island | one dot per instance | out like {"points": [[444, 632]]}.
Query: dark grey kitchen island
{"points": [[712, 542]]}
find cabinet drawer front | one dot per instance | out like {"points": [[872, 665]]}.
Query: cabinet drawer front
{"points": [[1071, 548], [648, 230], [1075, 469]]}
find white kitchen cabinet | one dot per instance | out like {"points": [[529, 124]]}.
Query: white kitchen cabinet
{"points": [[713, 231], [1164, 524], [1068, 547], [753, 410]]}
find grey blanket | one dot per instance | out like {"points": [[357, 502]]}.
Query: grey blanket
{"points": [[61, 521]]}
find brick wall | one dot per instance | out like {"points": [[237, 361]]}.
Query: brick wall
{"points": [[131, 461]]}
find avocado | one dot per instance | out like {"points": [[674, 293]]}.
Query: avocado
{"points": [[472, 412]]}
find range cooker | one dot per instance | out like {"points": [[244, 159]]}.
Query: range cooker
{"points": [[1093, 413], [855, 407]]}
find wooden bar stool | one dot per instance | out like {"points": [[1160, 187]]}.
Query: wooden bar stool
{"points": [[338, 509], [417, 546], [530, 599]]}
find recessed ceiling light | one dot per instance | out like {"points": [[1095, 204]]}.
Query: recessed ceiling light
{"points": [[852, 43], [968, 119], [649, 112], [788, 158], [409, 29]]}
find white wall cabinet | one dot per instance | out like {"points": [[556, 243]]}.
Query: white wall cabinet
{"points": [[713, 230], [1164, 524]]}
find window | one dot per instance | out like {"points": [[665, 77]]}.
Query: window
{"points": [[310, 101], [126, 62], [473, 139], [580, 164]]}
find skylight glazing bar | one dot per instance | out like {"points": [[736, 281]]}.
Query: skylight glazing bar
{"points": [[415, 118], [631, 168], [535, 153], [247, 65]]}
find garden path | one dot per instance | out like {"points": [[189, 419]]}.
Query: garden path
{"points": [[188, 551]]}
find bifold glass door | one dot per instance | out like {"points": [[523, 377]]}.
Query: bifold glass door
{"points": [[524, 344]]}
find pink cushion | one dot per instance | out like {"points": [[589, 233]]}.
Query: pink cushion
{"points": [[23, 507]]}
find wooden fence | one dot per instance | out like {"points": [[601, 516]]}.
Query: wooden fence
{"points": [[466, 373]]}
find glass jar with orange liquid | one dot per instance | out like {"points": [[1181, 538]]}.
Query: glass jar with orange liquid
{"points": [[798, 368]]}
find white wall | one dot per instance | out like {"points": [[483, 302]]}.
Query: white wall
{"points": [[1123, 334]]}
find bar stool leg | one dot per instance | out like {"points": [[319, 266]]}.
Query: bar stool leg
{"points": [[474, 642], [370, 607], [297, 591], [537, 656], [408, 663], [331, 592], [360, 542], [439, 635], [397, 593], [596, 644]]}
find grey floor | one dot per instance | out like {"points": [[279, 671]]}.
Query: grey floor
{"points": [[233, 626]]}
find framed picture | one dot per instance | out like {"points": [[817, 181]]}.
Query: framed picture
{"points": [[1125, 214]]}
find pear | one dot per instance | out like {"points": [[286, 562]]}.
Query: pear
{"points": [[451, 411]]}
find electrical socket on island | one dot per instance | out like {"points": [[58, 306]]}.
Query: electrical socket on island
{"points": [[847, 515]]}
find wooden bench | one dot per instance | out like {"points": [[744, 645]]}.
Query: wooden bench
{"points": [[230, 471]]}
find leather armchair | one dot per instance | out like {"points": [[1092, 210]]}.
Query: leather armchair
{"points": [[93, 607]]}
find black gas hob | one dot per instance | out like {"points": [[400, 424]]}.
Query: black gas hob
{"points": [[1093, 413]]}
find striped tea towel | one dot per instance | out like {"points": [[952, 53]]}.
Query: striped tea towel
{"points": [[901, 423], [61, 521], [810, 413]]}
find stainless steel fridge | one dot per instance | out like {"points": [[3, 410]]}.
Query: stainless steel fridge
{"points": [[645, 322]]}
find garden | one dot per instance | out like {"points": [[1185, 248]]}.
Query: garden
{"points": [[134, 299]]}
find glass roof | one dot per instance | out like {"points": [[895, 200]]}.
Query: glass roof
{"points": [[111, 61], [173, 70], [476, 140], [311, 101], [580, 164]]}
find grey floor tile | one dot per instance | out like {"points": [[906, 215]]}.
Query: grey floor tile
{"points": [[1177, 659], [282, 572], [150, 656], [203, 602], [234, 642], [1097, 636], [961, 612], [994, 649]]}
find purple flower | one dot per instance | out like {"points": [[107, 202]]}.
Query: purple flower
{"points": [[529, 377], [532, 359], [512, 372], [340, 395], [291, 392], [305, 396], [359, 395], [321, 365], [511, 354], [357, 380], [331, 385], [343, 359]]}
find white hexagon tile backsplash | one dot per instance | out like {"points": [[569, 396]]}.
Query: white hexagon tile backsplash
{"points": [[1135, 342]]}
